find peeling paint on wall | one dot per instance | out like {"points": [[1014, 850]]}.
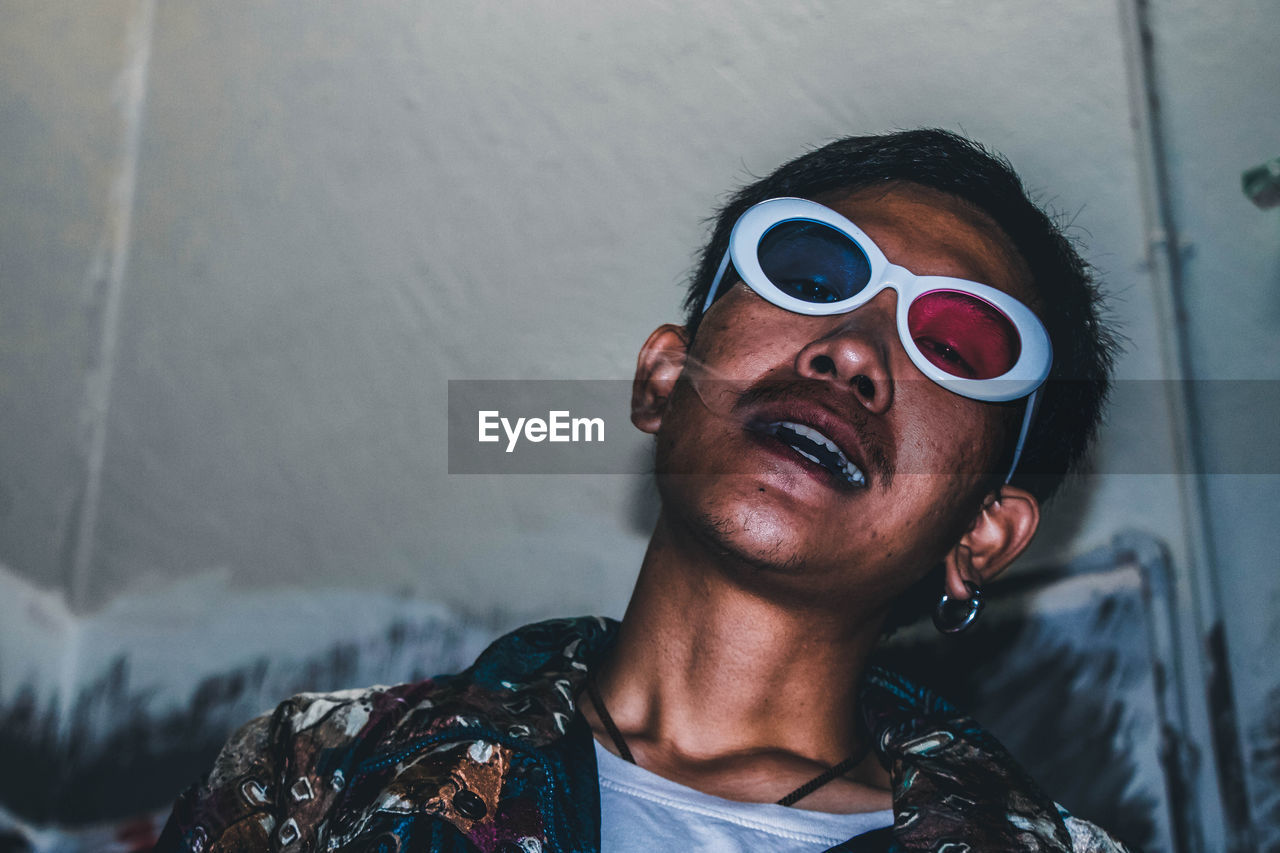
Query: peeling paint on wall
{"points": [[166, 673], [1264, 757]]}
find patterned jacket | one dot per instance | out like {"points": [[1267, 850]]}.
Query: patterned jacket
{"points": [[497, 759]]}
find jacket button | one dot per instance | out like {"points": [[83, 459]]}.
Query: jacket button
{"points": [[469, 805]]}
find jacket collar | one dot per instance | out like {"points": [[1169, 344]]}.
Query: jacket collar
{"points": [[951, 780]]}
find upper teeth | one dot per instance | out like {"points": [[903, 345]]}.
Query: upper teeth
{"points": [[850, 471]]}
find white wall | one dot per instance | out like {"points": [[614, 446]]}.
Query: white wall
{"points": [[337, 212]]}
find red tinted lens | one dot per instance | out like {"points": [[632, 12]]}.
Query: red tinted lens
{"points": [[966, 336]]}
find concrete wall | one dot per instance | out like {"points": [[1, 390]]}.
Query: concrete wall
{"points": [[337, 212], [1217, 75], [245, 245]]}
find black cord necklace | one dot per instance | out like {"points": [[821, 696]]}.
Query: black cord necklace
{"points": [[789, 800]]}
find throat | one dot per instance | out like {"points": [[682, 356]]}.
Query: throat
{"points": [[707, 676]]}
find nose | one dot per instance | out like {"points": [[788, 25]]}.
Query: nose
{"points": [[854, 354]]}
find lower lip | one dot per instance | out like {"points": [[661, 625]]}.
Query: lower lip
{"points": [[783, 451]]}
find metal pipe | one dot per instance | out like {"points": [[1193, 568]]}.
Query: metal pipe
{"points": [[1230, 809]]}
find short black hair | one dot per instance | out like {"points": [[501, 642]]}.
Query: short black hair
{"points": [[1071, 308]]}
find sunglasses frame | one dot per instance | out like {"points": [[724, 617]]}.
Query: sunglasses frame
{"points": [[1035, 357]]}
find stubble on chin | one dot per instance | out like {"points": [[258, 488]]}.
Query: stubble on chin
{"points": [[732, 542]]}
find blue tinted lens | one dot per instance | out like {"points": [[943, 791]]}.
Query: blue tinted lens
{"points": [[813, 262]]}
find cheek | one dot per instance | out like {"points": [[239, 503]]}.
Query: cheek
{"points": [[743, 335], [950, 438], [679, 426]]}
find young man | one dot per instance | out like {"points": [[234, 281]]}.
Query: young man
{"points": [[891, 357]]}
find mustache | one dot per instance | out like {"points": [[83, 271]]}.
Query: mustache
{"points": [[872, 443]]}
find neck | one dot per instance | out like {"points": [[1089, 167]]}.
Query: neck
{"points": [[709, 668]]}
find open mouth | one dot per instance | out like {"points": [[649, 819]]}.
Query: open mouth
{"points": [[816, 447]]}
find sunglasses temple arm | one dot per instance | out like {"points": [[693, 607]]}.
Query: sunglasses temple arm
{"points": [[1033, 403], [715, 284]]}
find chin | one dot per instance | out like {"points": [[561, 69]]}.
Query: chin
{"points": [[758, 538]]}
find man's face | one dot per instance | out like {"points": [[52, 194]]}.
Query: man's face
{"points": [[729, 476]]}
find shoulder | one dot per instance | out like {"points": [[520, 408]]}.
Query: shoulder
{"points": [[318, 755], [952, 776], [1087, 837], [300, 754]]}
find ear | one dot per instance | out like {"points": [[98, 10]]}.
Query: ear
{"points": [[1000, 532], [660, 364]]}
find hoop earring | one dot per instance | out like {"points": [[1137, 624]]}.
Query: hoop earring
{"points": [[948, 618]]}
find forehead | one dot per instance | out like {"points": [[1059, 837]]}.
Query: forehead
{"points": [[935, 233]]}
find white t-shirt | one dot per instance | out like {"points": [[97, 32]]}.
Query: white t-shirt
{"points": [[641, 812]]}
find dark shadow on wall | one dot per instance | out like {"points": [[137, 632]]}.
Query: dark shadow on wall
{"points": [[1065, 712], [119, 756], [1266, 775]]}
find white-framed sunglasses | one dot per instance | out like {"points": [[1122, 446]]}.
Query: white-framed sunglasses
{"points": [[972, 339]]}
